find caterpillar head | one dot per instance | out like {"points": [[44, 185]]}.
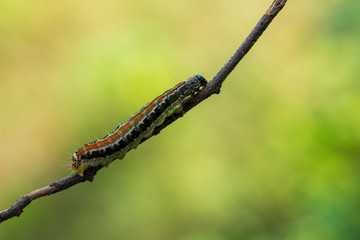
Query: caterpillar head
{"points": [[77, 166]]}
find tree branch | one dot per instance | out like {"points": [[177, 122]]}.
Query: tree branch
{"points": [[213, 87]]}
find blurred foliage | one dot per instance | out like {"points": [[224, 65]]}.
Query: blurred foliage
{"points": [[274, 156]]}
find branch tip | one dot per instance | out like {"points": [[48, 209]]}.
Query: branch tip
{"points": [[275, 7]]}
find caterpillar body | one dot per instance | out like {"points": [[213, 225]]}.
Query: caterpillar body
{"points": [[141, 125]]}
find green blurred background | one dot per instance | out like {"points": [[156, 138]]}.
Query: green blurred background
{"points": [[274, 156]]}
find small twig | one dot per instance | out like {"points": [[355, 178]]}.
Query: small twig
{"points": [[211, 88]]}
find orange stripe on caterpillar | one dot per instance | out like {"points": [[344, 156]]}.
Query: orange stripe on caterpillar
{"points": [[140, 125]]}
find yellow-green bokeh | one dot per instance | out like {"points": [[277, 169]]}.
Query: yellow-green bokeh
{"points": [[274, 156]]}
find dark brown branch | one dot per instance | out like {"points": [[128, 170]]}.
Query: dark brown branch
{"points": [[211, 88]]}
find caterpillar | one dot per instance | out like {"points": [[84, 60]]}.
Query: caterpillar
{"points": [[141, 125]]}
